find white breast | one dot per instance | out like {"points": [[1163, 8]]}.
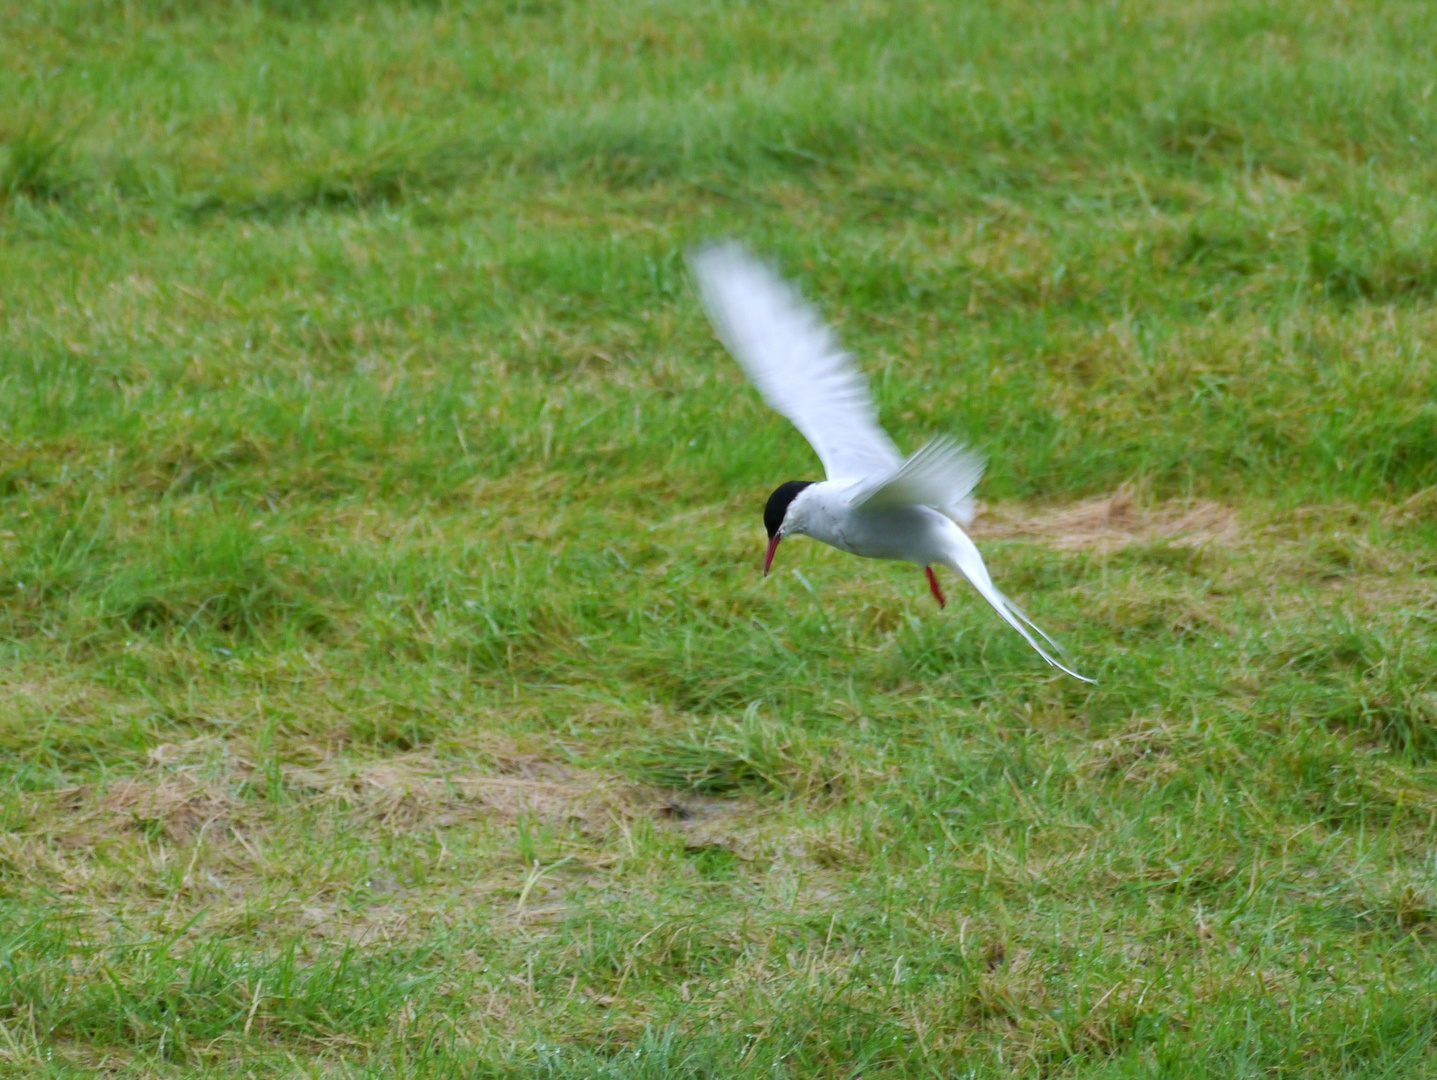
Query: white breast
{"points": [[913, 533]]}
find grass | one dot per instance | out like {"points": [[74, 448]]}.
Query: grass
{"points": [[387, 684]]}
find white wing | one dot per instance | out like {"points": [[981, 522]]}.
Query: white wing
{"points": [[941, 474], [794, 360]]}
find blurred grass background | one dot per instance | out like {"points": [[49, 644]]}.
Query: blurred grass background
{"points": [[388, 687]]}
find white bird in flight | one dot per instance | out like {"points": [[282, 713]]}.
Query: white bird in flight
{"points": [[874, 502]]}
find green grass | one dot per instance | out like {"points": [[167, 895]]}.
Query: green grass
{"points": [[387, 684]]}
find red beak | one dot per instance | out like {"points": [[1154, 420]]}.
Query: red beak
{"points": [[772, 547]]}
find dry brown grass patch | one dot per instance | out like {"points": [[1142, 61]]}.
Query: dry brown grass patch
{"points": [[207, 779], [1113, 522], [1414, 509], [418, 789], [180, 805]]}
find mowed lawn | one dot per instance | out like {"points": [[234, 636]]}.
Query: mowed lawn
{"points": [[388, 686]]}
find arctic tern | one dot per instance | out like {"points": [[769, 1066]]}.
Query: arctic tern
{"points": [[874, 503]]}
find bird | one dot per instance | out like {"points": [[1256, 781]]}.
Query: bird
{"points": [[873, 502]]}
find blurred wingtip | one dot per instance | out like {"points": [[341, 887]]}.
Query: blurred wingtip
{"points": [[712, 253]]}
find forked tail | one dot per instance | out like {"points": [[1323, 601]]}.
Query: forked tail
{"points": [[964, 557]]}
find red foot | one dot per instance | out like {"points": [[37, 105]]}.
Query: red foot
{"points": [[933, 586]]}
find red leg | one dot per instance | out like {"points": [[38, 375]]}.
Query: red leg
{"points": [[933, 586]]}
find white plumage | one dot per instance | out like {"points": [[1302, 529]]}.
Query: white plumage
{"points": [[874, 502], [795, 361]]}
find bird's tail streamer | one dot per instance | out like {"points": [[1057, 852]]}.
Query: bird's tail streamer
{"points": [[966, 560]]}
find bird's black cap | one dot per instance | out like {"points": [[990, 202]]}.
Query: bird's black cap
{"points": [[778, 502]]}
